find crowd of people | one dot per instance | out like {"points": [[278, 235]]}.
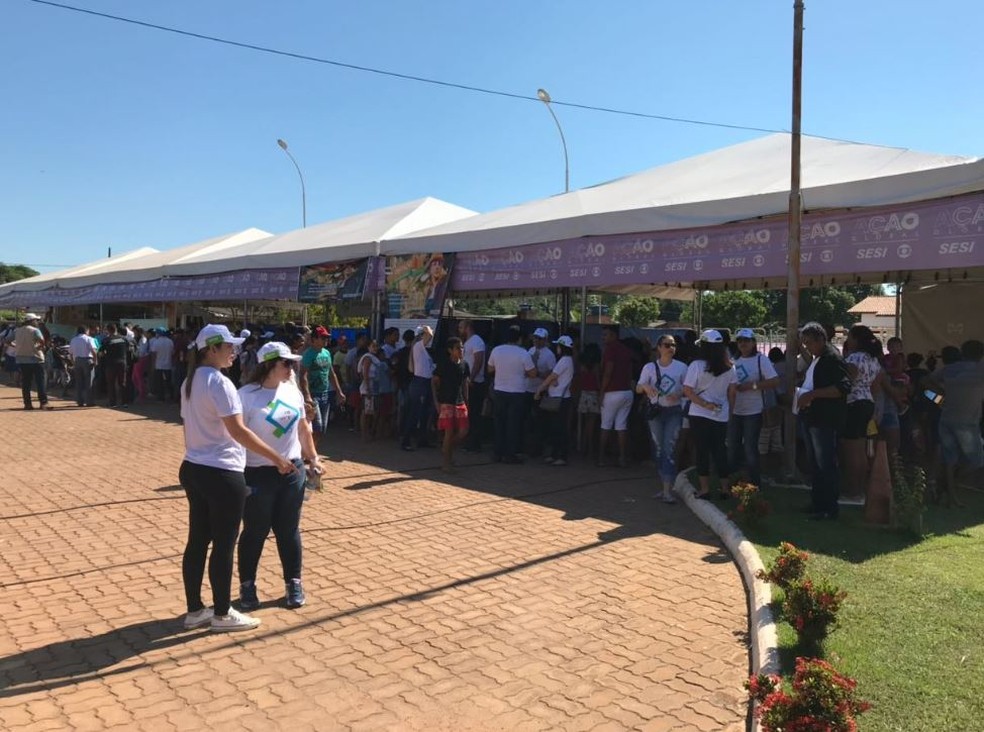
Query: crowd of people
{"points": [[254, 408]]}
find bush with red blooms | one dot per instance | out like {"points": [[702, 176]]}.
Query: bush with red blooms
{"points": [[788, 567], [811, 607], [752, 507], [819, 700]]}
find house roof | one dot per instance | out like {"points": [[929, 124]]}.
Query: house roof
{"points": [[883, 305]]}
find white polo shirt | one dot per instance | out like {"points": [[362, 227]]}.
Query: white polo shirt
{"points": [[423, 364], [474, 345], [510, 363]]}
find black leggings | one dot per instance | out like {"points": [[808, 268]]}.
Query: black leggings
{"points": [[711, 440], [215, 509], [275, 501]]}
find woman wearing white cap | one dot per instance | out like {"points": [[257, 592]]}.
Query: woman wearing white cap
{"points": [[273, 408], [710, 385], [212, 476], [661, 381], [557, 384], [756, 376]]}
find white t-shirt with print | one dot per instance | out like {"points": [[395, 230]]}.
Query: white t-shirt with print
{"points": [[565, 374], [207, 441], [747, 371], [510, 363], [366, 385], [868, 368], [474, 345], [709, 388], [670, 382], [274, 415]]}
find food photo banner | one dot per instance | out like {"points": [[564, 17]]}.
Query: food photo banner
{"points": [[938, 235], [416, 284], [335, 281]]}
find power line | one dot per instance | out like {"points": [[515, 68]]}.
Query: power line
{"points": [[396, 74]]}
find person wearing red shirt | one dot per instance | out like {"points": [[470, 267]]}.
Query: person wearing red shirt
{"points": [[616, 393]]}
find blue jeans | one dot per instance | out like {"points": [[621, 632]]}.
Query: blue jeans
{"points": [[82, 374], [417, 414], [664, 431], [743, 442], [274, 502], [822, 450], [324, 405], [510, 411]]}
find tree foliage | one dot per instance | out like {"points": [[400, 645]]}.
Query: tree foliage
{"points": [[637, 311], [733, 309], [14, 272]]}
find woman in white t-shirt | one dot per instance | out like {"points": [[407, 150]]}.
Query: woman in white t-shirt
{"points": [[756, 376], [212, 476], [711, 387], [661, 381], [557, 384], [273, 407], [368, 386]]}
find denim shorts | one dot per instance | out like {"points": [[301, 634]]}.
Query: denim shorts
{"points": [[961, 443]]}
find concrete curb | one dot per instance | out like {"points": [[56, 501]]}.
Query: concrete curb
{"points": [[763, 638]]}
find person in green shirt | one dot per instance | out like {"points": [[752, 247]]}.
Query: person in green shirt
{"points": [[319, 382]]}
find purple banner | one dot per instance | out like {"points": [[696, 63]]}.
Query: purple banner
{"points": [[263, 284], [941, 235]]}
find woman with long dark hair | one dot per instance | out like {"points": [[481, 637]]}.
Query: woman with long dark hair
{"points": [[273, 407], [711, 387], [863, 352], [212, 476]]}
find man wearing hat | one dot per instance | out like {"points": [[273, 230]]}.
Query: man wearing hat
{"points": [[30, 360]]}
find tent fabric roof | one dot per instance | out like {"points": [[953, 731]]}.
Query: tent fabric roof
{"points": [[735, 183], [353, 237], [49, 279], [875, 305]]}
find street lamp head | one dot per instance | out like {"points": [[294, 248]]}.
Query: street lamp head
{"points": [[543, 96], [283, 145]]}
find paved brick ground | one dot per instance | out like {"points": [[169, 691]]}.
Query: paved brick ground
{"points": [[513, 598]]}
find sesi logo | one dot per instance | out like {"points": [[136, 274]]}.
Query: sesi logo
{"points": [[957, 247]]}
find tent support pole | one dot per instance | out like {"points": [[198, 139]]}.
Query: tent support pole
{"points": [[898, 310], [584, 314], [795, 222]]}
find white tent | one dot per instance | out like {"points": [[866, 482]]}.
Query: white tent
{"points": [[52, 279], [736, 183], [354, 237]]}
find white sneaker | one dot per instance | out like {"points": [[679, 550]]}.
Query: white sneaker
{"points": [[198, 618], [233, 622]]}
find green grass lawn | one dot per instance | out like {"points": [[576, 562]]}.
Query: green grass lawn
{"points": [[912, 627]]}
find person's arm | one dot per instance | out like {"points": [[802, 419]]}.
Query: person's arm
{"points": [[334, 379], [606, 375], [303, 381], [548, 381], [242, 434], [476, 364], [732, 395], [435, 385], [309, 451], [643, 386]]}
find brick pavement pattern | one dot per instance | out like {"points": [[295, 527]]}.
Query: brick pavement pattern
{"points": [[503, 598]]}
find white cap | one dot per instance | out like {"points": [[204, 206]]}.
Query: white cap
{"points": [[213, 335], [541, 333], [421, 329], [746, 333], [712, 336], [274, 350], [31, 316], [244, 333], [565, 341], [268, 335]]}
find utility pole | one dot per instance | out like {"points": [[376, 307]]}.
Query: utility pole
{"points": [[793, 251]]}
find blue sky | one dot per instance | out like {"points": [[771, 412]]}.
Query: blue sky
{"points": [[119, 136]]}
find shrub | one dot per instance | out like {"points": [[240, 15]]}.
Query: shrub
{"points": [[811, 607], [788, 567], [819, 700], [752, 507], [908, 494]]}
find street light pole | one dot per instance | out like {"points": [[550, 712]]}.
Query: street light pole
{"points": [[544, 97], [283, 146]]}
